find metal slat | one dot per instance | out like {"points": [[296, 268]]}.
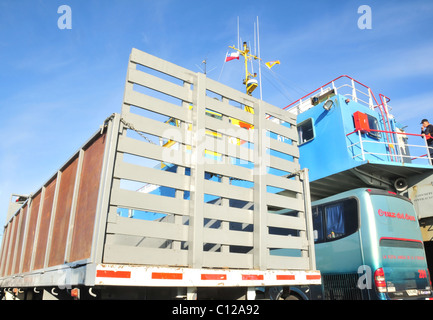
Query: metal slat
{"points": [[156, 128], [286, 148], [228, 191], [146, 102], [158, 84], [161, 65], [124, 170], [226, 128], [229, 110], [229, 92], [228, 237], [278, 113], [148, 150], [281, 221], [288, 263], [126, 226], [283, 183], [284, 202], [148, 202], [228, 260], [230, 170], [290, 133], [282, 164], [286, 242], [146, 256], [224, 147], [212, 211]]}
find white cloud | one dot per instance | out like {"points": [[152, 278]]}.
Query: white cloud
{"points": [[407, 62], [410, 108]]}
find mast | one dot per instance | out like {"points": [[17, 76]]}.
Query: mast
{"points": [[249, 81]]}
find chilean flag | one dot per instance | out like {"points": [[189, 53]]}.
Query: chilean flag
{"points": [[232, 56]]}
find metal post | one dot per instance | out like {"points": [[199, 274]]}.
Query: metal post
{"points": [[370, 99], [309, 218], [195, 247], [102, 206], [334, 87], [354, 97], [260, 208], [299, 106], [361, 145], [428, 150]]}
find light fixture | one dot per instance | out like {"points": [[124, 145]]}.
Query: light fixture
{"points": [[328, 104]]}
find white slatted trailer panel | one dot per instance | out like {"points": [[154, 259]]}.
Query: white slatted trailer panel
{"points": [[200, 176]]}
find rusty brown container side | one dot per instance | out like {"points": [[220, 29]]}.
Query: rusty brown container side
{"points": [[62, 216], [34, 209], [87, 200], [8, 247], [12, 245], [44, 225], [7, 235], [2, 250], [23, 214]]}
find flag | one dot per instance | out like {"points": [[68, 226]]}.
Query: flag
{"points": [[270, 64], [232, 56]]}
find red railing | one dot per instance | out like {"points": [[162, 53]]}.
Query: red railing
{"points": [[395, 155], [327, 84], [392, 132], [373, 103]]}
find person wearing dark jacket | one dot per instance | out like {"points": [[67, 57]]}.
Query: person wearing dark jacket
{"points": [[427, 132]]}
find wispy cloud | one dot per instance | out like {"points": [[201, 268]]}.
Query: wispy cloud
{"points": [[411, 107]]}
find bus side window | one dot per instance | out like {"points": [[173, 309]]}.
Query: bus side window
{"points": [[341, 219], [317, 224], [334, 221]]}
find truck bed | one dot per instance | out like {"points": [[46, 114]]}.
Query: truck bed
{"points": [[184, 187]]}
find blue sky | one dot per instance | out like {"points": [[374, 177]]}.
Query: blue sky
{"points": [[57, 86]]}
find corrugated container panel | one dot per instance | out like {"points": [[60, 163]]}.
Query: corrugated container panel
{"points": [[87, 200], [62, 215], [44, 225], [23, 214], [34, 212]]}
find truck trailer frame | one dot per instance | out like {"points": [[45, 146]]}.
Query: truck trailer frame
{"points": [[180, 190]]}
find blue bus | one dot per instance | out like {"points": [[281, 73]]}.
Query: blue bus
{"points": [[369, 247]]}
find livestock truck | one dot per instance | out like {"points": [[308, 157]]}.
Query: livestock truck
{"points": [[178, 196]]}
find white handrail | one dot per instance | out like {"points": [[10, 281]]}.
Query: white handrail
{"points": [[398, 154]]}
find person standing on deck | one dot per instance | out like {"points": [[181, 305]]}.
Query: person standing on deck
{"points": [[427, 132]]}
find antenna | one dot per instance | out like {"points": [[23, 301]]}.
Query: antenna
{"points": [[255, 38], [205, 66], [204, 62], [239, 44], [260, 68]]}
